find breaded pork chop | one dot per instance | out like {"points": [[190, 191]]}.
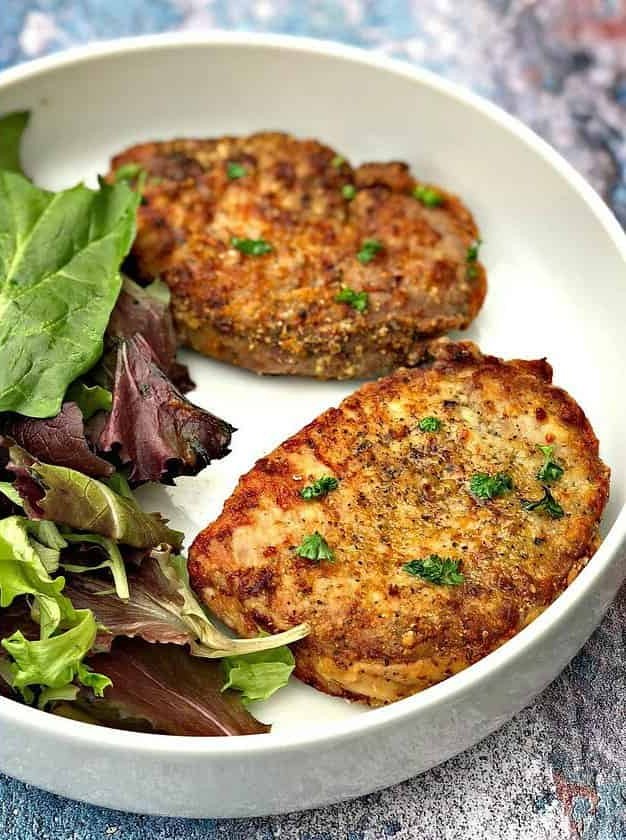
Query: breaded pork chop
{"points": [[318, 229], [450, 529]]}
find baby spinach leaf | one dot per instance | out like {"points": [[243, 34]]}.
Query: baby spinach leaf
{"points": [[59, 279]]}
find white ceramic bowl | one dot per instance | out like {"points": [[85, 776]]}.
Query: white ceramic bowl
{"points": [[556, 259]]}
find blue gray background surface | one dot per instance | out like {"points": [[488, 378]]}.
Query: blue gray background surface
{"points": [[558, 770]]}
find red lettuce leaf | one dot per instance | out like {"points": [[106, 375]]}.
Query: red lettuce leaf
{"points": [[152, 427], [176, 693], [147, 312], [152, 612], [58, 440]]}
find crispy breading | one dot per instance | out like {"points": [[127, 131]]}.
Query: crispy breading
{"points": [[277, 312], [378, 633]]}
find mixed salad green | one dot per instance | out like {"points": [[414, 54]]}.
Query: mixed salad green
{"points": [[97, 617]]}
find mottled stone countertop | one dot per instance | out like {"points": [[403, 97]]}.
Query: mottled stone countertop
{"points": [[558, 770]]}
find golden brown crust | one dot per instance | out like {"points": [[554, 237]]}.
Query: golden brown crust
{"points": [[379, 634], [277, 313]]}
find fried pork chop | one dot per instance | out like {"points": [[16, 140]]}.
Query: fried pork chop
{"points": [[449, 529], [258, 236]]}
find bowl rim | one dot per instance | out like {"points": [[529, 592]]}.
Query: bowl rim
{"points": [[615, 541]]}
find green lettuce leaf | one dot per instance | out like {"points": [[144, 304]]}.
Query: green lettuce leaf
{"points": [[119, 484], [22, 572], [89, 398], [91, 679], [47, 541], [11, 129], [66, 634], [56, 695], [114, 561], [8, 489], [57, 661], [258, 675], [83, 503], [60, 255]]}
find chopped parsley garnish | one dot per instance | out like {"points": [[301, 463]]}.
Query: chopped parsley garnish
{"points": [[253, 247], [435, 569], [369, 249], [235, 170], [348, 191], [429, 424], [320, 487], [471, 258], [357, 300], [429, 196], [473, 250], [315, 548], [337, 161], [550, 471], [485, 486], [547, 504]]}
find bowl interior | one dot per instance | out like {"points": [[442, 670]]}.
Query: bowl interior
{"points": [[556, 277]]}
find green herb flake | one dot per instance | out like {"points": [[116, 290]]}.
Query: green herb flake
{"points": [[337, 162], [473, 251], [550, 470], [369, 249], [471, 258], [547, 504], [435, 569], [428, 196], [357, 300], [429, 424], [320, 487], [251, 247], [315, 548], [485, 486], [235, 171], [348, 191]]}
